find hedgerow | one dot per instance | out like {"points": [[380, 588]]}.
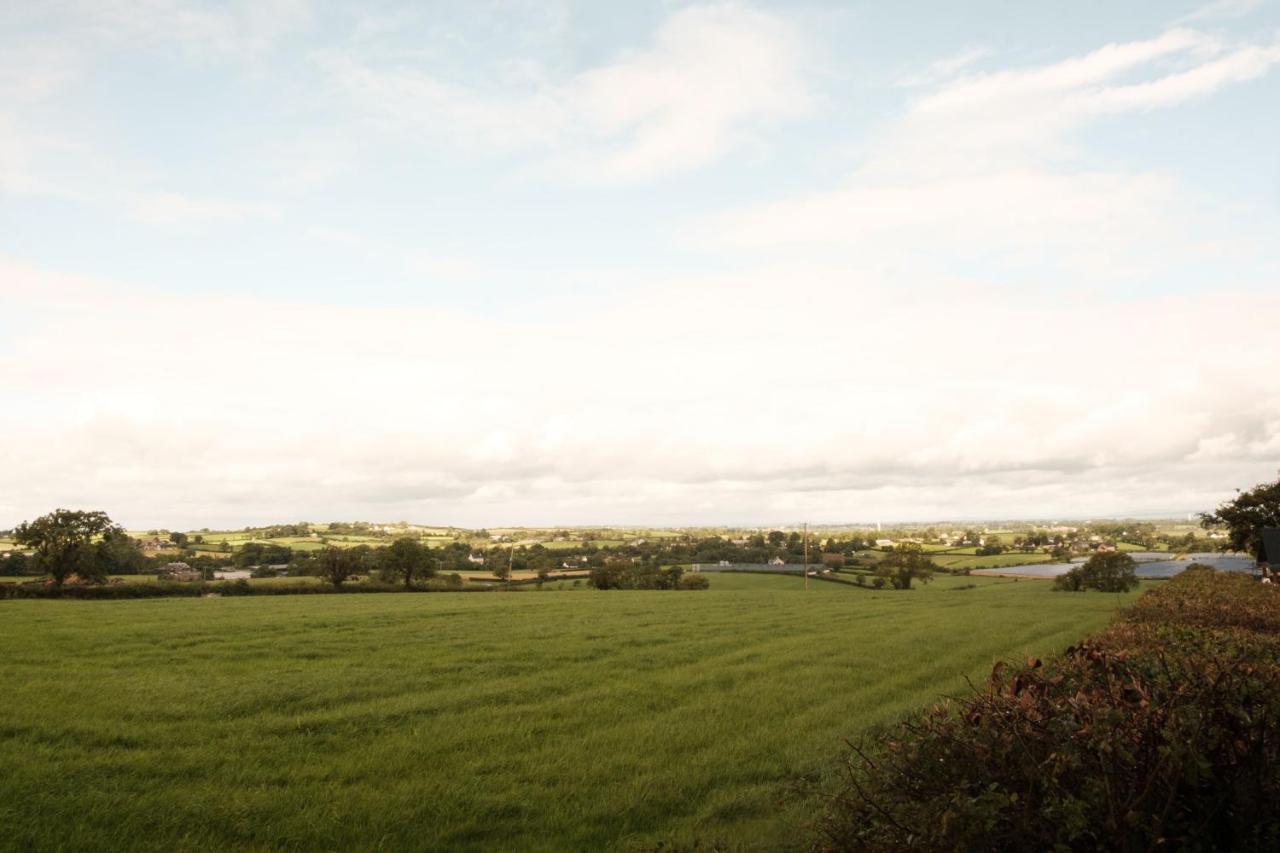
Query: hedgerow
{"points": [[1161, 732], [197, 589]]}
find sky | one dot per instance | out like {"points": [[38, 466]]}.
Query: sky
{"points": [[664, 263]]}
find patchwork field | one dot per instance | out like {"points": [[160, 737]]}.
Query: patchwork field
{"points": [[533, 720]]}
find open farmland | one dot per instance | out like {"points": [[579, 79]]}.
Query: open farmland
{"points": [[530, 720]]}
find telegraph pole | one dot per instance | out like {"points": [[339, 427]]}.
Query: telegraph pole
{"points": [[806, 556]]}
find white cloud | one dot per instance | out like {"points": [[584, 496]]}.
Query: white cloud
{"points": [[712, 76], [985, 169]]}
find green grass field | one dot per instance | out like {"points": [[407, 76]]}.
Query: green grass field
{"points": [[516, 721], [992, 561]]}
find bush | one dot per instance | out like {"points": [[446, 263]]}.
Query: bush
{"points": [[1162, 731], [1105, 571], [695, 582], [905, 565], [622, 574]]}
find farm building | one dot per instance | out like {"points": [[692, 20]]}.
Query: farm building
{"points": [[179, 571]]}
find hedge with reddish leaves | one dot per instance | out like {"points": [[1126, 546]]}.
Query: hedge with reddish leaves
{"points": [[1161, 732]]}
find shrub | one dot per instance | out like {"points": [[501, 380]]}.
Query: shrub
{"points": [[1162, 731], [1105, 571], [622, 574], [695, 582]]}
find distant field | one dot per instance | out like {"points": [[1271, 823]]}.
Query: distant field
{"points": [[996, 561], [518, 721], [126, 578], [577, 543]]}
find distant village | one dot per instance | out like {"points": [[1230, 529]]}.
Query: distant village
{"points": [[283, 550]]}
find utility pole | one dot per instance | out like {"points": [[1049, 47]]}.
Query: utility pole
{"points": [[806, 556]]}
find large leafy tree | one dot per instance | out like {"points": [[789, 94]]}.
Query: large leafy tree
{"points": [[1245, 517], [1106, 571], [905, 564], [336, 565], [407, 559], [63, 542], [118, 553]]}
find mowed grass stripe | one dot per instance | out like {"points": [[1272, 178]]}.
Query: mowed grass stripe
{"points": [[552, 720]]}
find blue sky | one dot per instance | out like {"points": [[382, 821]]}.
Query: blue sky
{"points": [[672, 263]]}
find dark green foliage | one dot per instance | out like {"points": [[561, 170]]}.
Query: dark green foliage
{"points": [[263, 554], [1163, 732], [904, 565], [698, 581], [1106, 571], [406, 560], [1245, 517], [336, 565], [620, 574], [17, 564], [117, 553], [63, 542]]}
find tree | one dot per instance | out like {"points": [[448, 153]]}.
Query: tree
{"points": [[62, 541], [905, 564], [16, 563], [118, 553], [407, 559], [1106, 571], [336, 564], [541, 562], [1245, 517], [179, 539]]}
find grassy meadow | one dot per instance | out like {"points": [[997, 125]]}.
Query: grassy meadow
{"points": [[571, 719]]}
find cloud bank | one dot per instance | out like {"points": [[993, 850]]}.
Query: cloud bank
{"points": [[952, 401]]}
